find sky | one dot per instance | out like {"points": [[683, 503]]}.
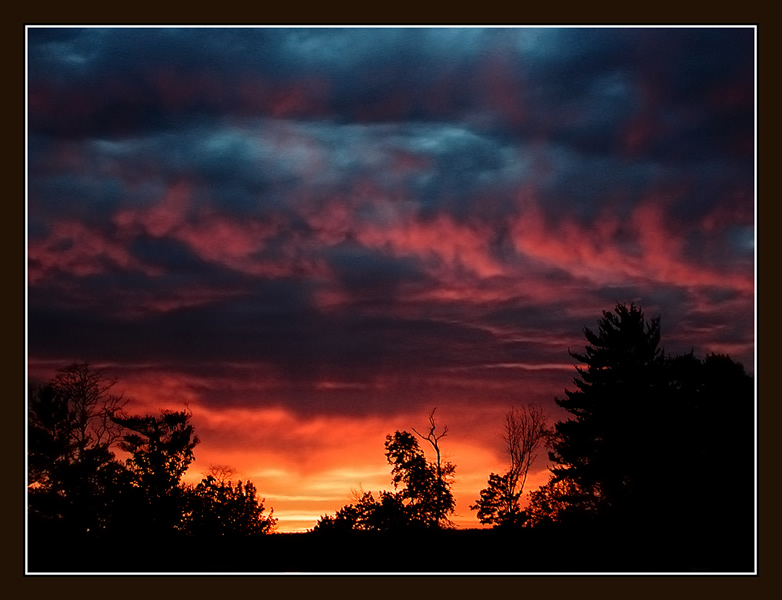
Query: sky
{"points": [[313, 237]]}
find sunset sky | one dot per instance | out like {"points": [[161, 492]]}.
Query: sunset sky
{"points": [[315, 236]]}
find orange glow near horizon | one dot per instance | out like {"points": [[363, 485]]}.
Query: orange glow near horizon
{"points": [[348, 457], [309, 467], [305, 467]]}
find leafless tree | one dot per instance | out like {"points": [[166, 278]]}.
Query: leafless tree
{"points": [[525, 431], [71, 434], [91, 405], [220, 473]]}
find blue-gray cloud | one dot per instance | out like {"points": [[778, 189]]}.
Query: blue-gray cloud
{"points": [[346, 203]]}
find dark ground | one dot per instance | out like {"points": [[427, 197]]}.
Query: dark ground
{"points": [[451, 551]]}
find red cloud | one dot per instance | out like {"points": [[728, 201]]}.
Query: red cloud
{"points": [[647, 247], [163, 217], [451, 245], [74, 248], [215, 237]]}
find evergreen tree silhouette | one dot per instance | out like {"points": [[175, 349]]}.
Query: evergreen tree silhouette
{"points": [[658, 450], [608, 447]]}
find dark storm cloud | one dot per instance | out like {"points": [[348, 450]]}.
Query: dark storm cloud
{"points": [[263, 194], [116, 81], [592, 84], [272, 325], [666, 98], [370, 276], [259, 167], [557, 73]]}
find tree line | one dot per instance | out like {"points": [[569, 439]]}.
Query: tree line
{"points": [[653, 444], [78, 487]]}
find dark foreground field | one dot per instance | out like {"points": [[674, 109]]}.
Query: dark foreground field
{"points": [[455, 551]]}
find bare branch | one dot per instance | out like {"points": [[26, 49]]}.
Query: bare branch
{"points": [[442, 470], [432, 426], [221, 473], [525, 431]]}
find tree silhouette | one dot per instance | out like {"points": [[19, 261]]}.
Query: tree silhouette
{"points": [[87, 511], [610, 444], [715, 428], [558, 501], [422, 497], [424, 487], [387, 513], [656, 444], [218, 507], [70, 457], [442, 502], [499, 504], [161, 449]]}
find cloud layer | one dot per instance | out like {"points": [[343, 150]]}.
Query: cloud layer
{"points": [[306, 232]]}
